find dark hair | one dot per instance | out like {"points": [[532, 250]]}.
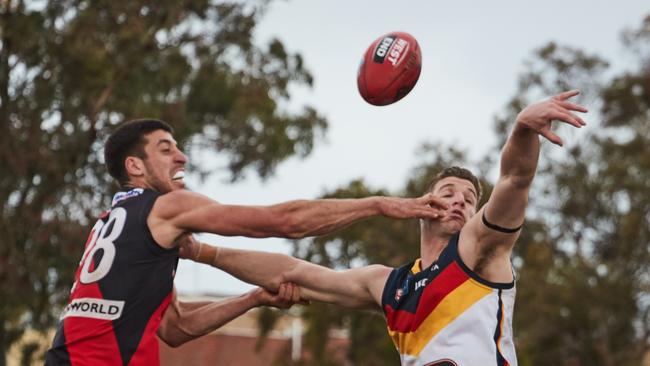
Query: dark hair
{"points": [[128, 140], [461, 173]]}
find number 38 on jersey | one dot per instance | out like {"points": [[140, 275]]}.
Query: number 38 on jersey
{"points": [[102, 237]]}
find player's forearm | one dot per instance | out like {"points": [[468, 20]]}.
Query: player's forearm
{"points": [[317, 283], [206, 317], [310, 218], [267, 270], [520, 155]]}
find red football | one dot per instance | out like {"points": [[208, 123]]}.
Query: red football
{"points": [[389, 69]]}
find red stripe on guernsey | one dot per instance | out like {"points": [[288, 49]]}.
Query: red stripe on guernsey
{"points": [[90, 341], [443, 284], [147, 352]]}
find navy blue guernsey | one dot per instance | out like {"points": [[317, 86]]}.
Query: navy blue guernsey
{"points": [[446, 314]]}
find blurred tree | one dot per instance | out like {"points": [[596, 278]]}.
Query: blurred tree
{"points": [[585, 285], [582, 262], [71, 69]]}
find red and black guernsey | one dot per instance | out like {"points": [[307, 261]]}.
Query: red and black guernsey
{"points": [[122, 288]]}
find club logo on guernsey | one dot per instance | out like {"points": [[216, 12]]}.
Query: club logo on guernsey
{"points": [[94, 308], [121, 196]]}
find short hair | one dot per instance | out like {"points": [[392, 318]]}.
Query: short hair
{"points": [[128, 140], [458, 172]]}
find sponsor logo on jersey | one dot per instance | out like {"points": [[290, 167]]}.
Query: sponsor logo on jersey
{"points": [[121, 196], [88, 307], [421, 283]]}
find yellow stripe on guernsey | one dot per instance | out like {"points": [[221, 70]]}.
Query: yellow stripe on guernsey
{"points": [[452, 306]]}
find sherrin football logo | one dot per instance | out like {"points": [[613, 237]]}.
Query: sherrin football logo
{"points": [[391, 48]]}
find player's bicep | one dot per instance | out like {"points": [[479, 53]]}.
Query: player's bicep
{"points": [[182, 211]]}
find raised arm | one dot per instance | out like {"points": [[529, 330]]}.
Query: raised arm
{"points": [[181, 211], [185, 321], [505, 210], [520, 155], [358, 288]]}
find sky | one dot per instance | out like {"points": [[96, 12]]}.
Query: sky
{"points": [[472, 53]]}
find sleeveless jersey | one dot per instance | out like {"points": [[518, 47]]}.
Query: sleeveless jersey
{"points": [[122, 288], [446, 315]]}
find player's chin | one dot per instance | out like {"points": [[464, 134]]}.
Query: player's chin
{"points": [[453, 226], [178, 184]]}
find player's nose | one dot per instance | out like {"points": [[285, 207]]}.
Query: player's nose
{"points": [[181, 158], [458, 200]]}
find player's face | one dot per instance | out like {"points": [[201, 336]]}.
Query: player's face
{"points": [[165, 163], [461, 197]]}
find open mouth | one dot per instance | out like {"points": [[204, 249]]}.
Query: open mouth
{"points": [[179, 175], [456, 215]]}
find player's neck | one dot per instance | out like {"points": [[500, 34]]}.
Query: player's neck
{"points": [[137, 183], [432, 243]]}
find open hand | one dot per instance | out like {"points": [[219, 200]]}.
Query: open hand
{"points": [[538, 116], [426, 207]]}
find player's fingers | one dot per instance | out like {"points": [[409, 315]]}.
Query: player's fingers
{"points": [[573, 106], [549, 135], [431, 200], [429, 214], [282, 292], [296, 294], [569, 118], [567, 94]]}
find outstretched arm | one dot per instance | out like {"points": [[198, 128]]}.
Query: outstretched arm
{"points": [[521, 153], [507, 204], [181, 211], [358, 288], [185, 321]]}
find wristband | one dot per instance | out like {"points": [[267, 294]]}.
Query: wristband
{"points": [[207, 254]]}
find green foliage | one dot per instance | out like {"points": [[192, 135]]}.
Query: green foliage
{"points": [[586, 299], [71, 69]]}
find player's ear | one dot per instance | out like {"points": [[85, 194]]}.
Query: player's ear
{"points": [[134, 166]]}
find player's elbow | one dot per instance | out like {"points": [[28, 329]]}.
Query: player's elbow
{"points": [[172, 337], [291, 222], [172, 342], [291, 227]]}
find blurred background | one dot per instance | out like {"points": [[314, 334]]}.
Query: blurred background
{"points": [[263, 98]]}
